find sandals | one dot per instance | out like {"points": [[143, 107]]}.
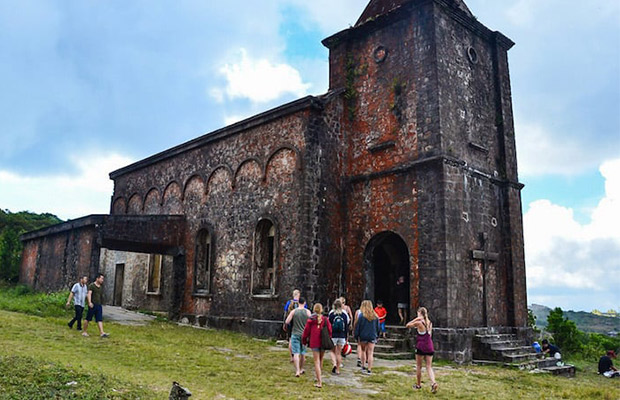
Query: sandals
{"points": [[434, 387], [417, 387], [316, 385]]}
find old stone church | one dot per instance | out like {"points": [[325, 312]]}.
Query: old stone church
{"points": [[405, 167]]}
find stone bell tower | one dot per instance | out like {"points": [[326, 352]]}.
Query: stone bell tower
{"points": [[431, 190]]}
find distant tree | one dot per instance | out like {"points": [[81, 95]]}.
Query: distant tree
{"points": [[565, 332], [11, 226], [531, 320], [10, 253]]}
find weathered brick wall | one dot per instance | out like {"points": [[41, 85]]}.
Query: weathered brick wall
{"points": [[429, 154], [391, 120], [476, 128], [55, 261], [226, 186], [328, 243]]}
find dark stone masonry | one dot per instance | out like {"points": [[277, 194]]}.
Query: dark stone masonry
{"points": [[405, 167]]}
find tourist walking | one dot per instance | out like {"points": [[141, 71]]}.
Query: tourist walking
{"points": [[366, 333], [78, 294], [290, 306], [297, 321], [312, 337], [339, 320], [95, 306], [347, 309], [424, 349]]}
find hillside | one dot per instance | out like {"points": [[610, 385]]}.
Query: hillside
{"points": [[585, 321]]}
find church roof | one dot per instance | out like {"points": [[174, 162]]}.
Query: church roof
{"points": [[380, 7]]}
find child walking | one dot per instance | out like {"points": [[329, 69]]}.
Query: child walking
{"points": [[381, 313]]}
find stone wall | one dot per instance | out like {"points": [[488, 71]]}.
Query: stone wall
{"points": [[227, 184], [54, 258], [428, 152]]}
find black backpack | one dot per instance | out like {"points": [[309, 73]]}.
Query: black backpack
{"points": [[338, 325]]}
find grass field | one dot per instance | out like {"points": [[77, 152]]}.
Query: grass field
{"points": [[39, 356]]}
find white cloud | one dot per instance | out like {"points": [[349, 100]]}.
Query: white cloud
{"points": [[543, 151], [67, 196], [562, 253], [259, 80]]}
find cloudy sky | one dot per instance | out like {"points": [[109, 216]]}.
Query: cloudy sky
{"points": [[88, 87]]}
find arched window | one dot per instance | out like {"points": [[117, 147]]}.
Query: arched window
{"points": [[204, 261], [265, 256]]}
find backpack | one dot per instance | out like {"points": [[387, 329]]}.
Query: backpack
{"points": [[338, 325]]}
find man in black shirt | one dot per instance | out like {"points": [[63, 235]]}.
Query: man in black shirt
{"points": [[95, 306], [551, 350], [606, 366]]}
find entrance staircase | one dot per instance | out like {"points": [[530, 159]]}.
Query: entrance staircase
{"points": [[398, 344], [508, 350]]}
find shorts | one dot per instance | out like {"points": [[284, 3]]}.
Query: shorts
{"points": [[339, 341], [317, 349], [296, 346], [382, 326], [96, 311], [402, 306], [374, 341], [424, 353], [611, 374]]}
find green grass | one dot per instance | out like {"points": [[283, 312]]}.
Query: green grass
{"points": [[27, 378], [23, 299], [39, 355]]}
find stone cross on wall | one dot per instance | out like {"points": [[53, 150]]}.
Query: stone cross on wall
{"points": [[485, 257]]}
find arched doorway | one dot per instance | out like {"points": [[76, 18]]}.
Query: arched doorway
{"points": [[386, 258]]}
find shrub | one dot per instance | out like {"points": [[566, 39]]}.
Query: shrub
{"points": [[23, 299], [595, 345]]}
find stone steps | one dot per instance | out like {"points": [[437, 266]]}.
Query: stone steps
{"points": [[397, 345], [508, 350]]}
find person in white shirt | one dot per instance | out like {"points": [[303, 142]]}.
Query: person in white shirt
{"points": [[78, 294]]}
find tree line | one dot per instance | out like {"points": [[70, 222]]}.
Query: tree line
{"points": [[575, 342], [11, 226]]}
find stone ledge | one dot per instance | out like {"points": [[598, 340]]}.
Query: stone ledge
{"points": [[250, 326]]}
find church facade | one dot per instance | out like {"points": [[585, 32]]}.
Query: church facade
{"points": [[405, 167]]}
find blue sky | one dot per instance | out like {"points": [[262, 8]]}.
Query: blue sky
{"points": [[88, 87]]}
